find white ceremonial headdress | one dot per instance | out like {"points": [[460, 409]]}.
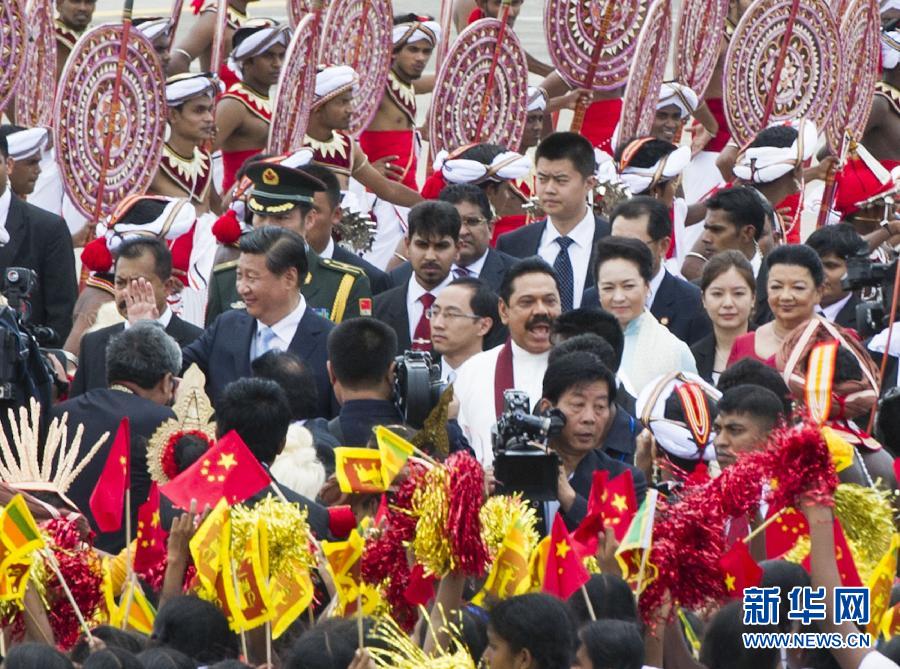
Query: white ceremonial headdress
{"points": [[182, 87], [765, 164], [890, 49], [333, 81], [605, 170], [692, 438], [176, 218], [153, 28], [887, 5], [683, 97], [506, 166], [261, 35], [640, 179], [299, 158], [415, 31], [536, 100], [27, 143]]}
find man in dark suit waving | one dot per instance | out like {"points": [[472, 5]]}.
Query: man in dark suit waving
{"points": [[270, 271], [566, 238], [674, 301], [145, 258]]}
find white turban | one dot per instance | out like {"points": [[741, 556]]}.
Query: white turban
{"points": [[673, 93], [297, 159], [27, 143], [333, 81], [677, 437], [154, 28], [536, 100], [506, 166], [605, 171], [890, 49], [183, 87], [260, 41], [765, 164], [887, 5], [405, 33], [640, 179], [175, 220]]}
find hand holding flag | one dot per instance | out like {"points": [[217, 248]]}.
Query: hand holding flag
{"points": [[565, 572]]}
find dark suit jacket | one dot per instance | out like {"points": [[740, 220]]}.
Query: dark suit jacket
{"points": [[91, 371], [494, 269], [524, 242], [846, 317], [379, 281], [223, 352], [704, 352], [40, 241], [584, 476], [390, 307], [100, 411]]}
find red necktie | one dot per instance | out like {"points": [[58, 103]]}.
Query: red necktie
{"points": [[422, 335]]}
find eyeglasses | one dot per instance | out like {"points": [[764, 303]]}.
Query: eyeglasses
{"points": [[473, 221], [431, 313]]}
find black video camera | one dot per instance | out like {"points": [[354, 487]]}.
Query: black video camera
{"points": [[417, 386], [522, 461], [17, 287], [871, 316]]}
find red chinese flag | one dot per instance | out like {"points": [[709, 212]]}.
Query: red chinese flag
{"points": [[784, 532], [619, 504], [151, 537], [564, 572], [420, 590], [108, 499], [226, 470], [739, 569], [844, 558], [586, 534]]}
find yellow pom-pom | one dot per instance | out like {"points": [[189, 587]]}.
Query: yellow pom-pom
{"points": [[431, 505], [286, 527], [499, 514], [397, 651], [866, 516]]}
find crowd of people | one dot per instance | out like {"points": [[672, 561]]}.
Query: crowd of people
{"points": [[662, 319]]}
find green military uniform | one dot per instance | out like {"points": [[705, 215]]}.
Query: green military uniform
{"points": [[332, 289]]}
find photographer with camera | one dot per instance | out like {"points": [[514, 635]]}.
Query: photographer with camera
{"points": [[835, 244]]}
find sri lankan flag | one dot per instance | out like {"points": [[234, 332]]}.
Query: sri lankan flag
{"points": [[394, 451], [18, 531], [359, 470], [134, 604], [206, 543], [290, 593], [246, 580], [509, 575], [14, 578], [880, 583], [634, 551]]}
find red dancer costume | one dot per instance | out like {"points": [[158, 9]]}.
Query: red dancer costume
{"points": [[258, 105], [379, 143]]}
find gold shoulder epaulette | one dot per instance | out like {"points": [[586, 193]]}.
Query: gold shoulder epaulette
{"points": [[225, 265], [342, 266]]}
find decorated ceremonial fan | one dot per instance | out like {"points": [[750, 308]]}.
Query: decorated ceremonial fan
{"points": [[13, 37], [358, 33], [860, 36], [296, 88], [647, 71], [700, 32], [297, 9], [783, 62], [38, 74], [481, 92], [573, 30], [83, 111]]}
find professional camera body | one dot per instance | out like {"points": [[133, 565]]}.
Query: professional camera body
{"points": [[522, 461], [417, 386], [871, 316]]}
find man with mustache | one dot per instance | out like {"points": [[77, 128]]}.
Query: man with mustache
{"points": [[529, 303], [433, 238]]}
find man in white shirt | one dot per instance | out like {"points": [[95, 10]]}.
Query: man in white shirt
{"points": [[461, 317], [529, 302]]}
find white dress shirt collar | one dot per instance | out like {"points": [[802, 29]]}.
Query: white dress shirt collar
{"points": [[328, 251], [164, 318], [655, 283], [415, 308], [5, 201], [756, 262], [286, 328], [832, 310], [582, 234], [474, 268]]}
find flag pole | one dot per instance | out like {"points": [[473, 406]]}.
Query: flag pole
{"points": [[269, 644], [54, 565], [359, 618], [581, 105], [587, 600], [486, 98], [129, 573], [768, 521]]}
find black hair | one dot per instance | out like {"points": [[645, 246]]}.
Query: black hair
{"points": [[329, 179], [613, 644], [165, 658], [799, 255], [753, 372], [138, 246], [35, 655], [611, 597], [842, 240], [282, 248], [433, 219], [891, 650], [143, 354], [111, 658], [483, 153], [456, 193], [230, 664], [722, 262], [625, 248], [585, 343], [111, 637], [188, 449], [576, 369], [410, 18], [298, 383], [846, 366], [258, 410], [752, 400], [777, 136], [329, 644], [144, 210], [483, 302], [583, 321], [4, 146], [649, 153], [568, 146], [723, 646], [196, 628], [361, 351], [659, 224], [473, 627], [743, 207], [532, 265], [538, 622], [785, 575]]}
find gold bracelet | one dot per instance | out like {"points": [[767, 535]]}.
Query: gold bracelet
{"points": [[694, 254]]}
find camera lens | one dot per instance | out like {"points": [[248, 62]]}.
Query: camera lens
{"points": [[12, 276]]}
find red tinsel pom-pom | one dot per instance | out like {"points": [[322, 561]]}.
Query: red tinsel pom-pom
{"points": [[800, 464], [96, 256], [464, 522], [227, 228]]}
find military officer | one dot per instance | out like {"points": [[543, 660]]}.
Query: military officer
{"points": [[283, 196]]}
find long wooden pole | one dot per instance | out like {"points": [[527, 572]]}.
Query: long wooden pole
{"points": [[890, 332], [176, 19], [581, 105], [364, 17], [486, 98], [779, 64]]}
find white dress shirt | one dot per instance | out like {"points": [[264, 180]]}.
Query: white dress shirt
{"points": [[474, 269], [832, 310], [579, 252], [5, 201], [448, 373], [164, 319], [284, 330], [414, 308], [655, 283], [328, 251], [756, 262]]}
